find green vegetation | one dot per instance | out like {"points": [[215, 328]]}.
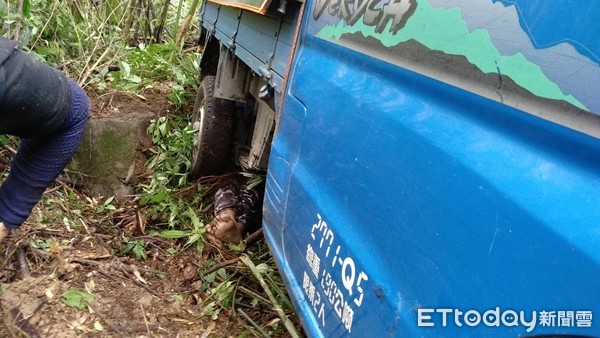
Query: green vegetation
{"points": [[106, 44], [184, 208], [77, 299]]}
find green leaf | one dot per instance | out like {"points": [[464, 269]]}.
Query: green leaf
{"points": [[200, 246], [125, 69], [156, 198], [26, 8], [235, 247], [77, 299], [134, 78], [196, 223], [210, 278], [174, 234], [262, 268], [103, 72], [139, 251], [127, 248], [163, 129], [192, 239], [109, 200]]}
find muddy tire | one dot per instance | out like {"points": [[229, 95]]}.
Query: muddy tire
{"points": [[213, 120]]}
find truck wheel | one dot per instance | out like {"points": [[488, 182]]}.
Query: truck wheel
{"points": [[213, 120]]}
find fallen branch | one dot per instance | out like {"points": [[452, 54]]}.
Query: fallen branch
{"points": [[221, 265], [137, 283], [253, 238], [118, 265], [254, 295], [40, 252], [145, 319]]}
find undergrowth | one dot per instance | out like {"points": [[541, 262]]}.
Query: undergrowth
{"points": [[250, 278], [114, 45], [108, 44]]}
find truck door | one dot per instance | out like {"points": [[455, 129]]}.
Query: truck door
{"points": [[448, 162]]}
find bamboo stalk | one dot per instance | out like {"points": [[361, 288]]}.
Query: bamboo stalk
{"points": [[177, 18], [186, 23], [161, 23], [253, 294], [148, 26], [19, 19], [83, 79], [130, 9], [286, 321], [138, 13]]}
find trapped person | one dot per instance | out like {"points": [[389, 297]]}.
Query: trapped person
{"points": [[48, 111], [237, 209]]}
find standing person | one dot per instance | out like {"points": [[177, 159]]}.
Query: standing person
{"points": [[48, 111]]}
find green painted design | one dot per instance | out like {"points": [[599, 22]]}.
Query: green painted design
{"points": [[445, 31]]}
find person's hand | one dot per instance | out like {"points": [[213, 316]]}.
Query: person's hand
{"points": [[4, 231]]}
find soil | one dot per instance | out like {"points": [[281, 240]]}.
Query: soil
{"points": [[158, 298], [117, 103], [51, 264]]}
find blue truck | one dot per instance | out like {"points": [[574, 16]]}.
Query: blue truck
{"points": [[433, 166]]}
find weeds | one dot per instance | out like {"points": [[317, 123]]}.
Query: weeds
{"points": [[184, 209], [138, 247], [173, 137], [162, 196], [145, 65], [91, 42]]}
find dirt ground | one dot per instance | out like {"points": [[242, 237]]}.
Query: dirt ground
{"points": [[130, 300], [62, 275], [116, 103]]}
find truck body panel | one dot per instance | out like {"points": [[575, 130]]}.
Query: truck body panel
{"points": [[262, 42], [434, 155]]}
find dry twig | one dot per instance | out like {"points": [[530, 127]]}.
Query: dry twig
{"points": [[23, 262], [222, 265]]}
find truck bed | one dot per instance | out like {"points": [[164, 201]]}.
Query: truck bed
{"points": [[263, 42]]}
